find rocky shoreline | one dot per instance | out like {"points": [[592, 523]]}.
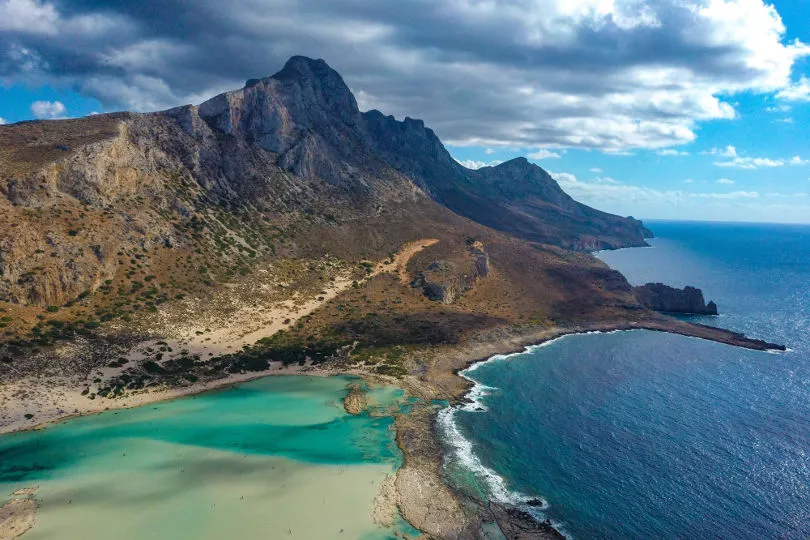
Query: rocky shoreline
{"points": [[424, 453], [440, 511]]}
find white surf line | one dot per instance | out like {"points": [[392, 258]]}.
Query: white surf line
{"points": [[463, 449]]}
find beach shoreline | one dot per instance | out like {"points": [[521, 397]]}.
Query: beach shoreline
{"points": [[422, 462]]}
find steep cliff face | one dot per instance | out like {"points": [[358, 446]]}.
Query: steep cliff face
{"points": [[239, 177], [660, 297]]}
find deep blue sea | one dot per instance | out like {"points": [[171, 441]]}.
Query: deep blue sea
{"points": [[648, 435]]}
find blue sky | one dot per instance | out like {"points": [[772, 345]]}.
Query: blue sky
{"points": [[677, 109]]}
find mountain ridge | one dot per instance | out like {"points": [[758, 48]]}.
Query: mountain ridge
{"points": [[411, 148], [289, 150]]}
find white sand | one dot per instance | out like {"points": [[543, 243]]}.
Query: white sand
{"points": [[198, 493]]}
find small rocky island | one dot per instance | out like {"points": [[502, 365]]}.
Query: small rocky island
{"points": [[660, 297]]}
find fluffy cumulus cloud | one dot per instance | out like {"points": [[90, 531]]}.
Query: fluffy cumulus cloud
{"points": [[544, 154], [474, 164], [47, 109], [796, 92], [28, 16], [2, 120], [606, 74]]}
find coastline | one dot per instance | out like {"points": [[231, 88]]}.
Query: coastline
{"points": [[424, 448], [440, 510]]}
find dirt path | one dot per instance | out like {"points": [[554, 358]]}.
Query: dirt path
{"points": [[59, 397], [249, 325], [401, 259]]}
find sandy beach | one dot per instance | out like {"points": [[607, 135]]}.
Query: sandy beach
{"points": [[32, 403]]}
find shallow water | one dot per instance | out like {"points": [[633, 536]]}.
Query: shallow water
{"points": [[272, 457], [649, 435]]}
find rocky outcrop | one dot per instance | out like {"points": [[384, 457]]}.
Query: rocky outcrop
{"points": [[660, 297], [517, 524], [18, 515], [355, 401], [446, 280]]}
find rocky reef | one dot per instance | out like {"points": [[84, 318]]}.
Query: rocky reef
{"points": [[660, 297]]}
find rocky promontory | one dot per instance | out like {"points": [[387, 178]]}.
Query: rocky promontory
{"points": [[660, 297]]}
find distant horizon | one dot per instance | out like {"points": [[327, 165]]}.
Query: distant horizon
{"points": [[726, 222]]}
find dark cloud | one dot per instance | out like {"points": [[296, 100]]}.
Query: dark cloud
{"points": [[585, 73]]}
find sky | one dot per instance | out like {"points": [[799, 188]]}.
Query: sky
{"points": [[671, 109]]}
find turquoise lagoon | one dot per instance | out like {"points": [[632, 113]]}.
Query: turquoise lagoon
{"points": [[276, 457]]}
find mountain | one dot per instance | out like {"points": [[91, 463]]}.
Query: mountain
{"points": [[517, 197], [230, 179], [278, 225]]}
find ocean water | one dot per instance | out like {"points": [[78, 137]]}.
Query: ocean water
{"points": [[649, 435], [275, 457]]}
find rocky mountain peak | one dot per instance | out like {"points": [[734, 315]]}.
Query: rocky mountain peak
{"points": [[318, 79], [515, 163]]}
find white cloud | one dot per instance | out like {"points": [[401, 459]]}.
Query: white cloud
{"points": [[778, 108], [787, 120], [567, 178], [606, 180], [796, 160], [732, 195], [750, 163], [602, 74], [47, 109], [28, 16], [672, 152], [596, 170], [688, 181], [728, 151], [616, 152], [799, 91], [2, 121], [544, 154], [473, 164], [725, 181], [489, 151], [603, 194]]}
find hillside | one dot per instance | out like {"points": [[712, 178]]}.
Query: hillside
{"points": [[262, 221], [235, 176]]}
